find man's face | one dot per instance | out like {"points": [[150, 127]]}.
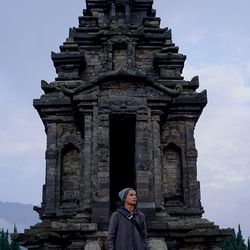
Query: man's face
{"points": [[131, 198]]}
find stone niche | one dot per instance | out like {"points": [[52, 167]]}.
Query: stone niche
{"points": [[120, 114]]}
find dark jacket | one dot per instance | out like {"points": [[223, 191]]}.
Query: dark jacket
{"points": [[124, 235]]}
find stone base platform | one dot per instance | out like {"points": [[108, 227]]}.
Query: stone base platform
{"points": [[165, 232]]}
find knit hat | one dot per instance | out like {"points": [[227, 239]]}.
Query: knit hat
{"points": [[123, 193]]}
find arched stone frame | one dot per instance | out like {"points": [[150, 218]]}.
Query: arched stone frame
{"points": [[126, 105], [123, 5], [172, 175], [70, 175], [125, 42]]}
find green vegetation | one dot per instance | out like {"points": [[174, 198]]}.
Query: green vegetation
{"points": [[6, 243], [236, 242]]}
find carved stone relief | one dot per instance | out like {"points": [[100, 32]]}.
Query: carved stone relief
{"points": [[70, 174], [172, 178], [171, 130], [65, 131], [120, 103]]}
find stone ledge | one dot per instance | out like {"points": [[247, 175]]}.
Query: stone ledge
{"points": [[83, 227]]}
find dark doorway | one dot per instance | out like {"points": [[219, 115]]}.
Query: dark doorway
{"points": [[122, 156]]}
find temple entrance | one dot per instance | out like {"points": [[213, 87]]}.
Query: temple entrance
{"points": [[122, 156]]}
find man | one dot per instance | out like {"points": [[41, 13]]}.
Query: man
{"points": [[127, 227]]}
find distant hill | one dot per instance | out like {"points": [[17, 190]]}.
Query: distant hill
{"points": [[21, 215]]}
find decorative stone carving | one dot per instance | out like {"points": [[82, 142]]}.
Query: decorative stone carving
{"points": [[66, 132], [123, 103], [171, 130]]}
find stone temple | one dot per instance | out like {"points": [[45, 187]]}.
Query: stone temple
{"points": [[120, 114]]}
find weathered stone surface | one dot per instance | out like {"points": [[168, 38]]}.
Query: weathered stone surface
{"points": [[92, 245], [120, 114], [69, 226], [157, 244]]}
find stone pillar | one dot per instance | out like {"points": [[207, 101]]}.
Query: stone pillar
{"points": [[51, 167], [143, 163], [100, 173], [156, 137], [191, 157], [86, 186]]}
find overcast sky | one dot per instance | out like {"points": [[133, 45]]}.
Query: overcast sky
{"points": [[214, 35]]}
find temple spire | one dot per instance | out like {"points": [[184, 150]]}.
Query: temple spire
{"points": [[124, 11]]}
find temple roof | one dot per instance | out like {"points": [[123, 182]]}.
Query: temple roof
{"points": [[127, 11], [115, 24], [119, 36], [120, 40]]}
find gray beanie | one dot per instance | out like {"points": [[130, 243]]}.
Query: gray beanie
{"points": [[123, 193]]}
